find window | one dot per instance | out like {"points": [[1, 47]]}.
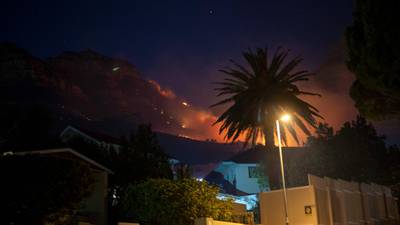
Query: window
{"points": [[253, 172]]}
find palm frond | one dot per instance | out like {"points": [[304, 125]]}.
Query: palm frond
{"points": [[260, 93]]}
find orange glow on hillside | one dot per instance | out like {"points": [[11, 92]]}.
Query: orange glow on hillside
{"points": [[168, 93]]}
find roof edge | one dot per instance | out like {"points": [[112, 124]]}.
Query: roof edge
{"points": [[68, 150]]}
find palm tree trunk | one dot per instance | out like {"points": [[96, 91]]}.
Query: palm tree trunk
{"points": [[269, 135], [272, 157]]}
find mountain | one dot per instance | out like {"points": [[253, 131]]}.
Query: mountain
{"points": [[84, 84], [106, 94], [90, 86]]}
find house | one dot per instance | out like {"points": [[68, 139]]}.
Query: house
{"points": [[94, 207], [101, 139], [242, 177], [239, 175], [200, 156]]}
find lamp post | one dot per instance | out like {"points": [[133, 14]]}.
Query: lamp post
{"points": [[284, 118]]}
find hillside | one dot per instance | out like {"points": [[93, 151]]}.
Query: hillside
{"points": [[105, 94]]}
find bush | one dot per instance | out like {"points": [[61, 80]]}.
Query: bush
{"points": [[168, 202]]}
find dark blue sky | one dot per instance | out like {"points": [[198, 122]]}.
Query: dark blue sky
{"points": [[180, 44]]}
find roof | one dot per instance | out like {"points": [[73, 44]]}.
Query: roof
{"points": [[194, 151], [101, 136], [217, 179], [202, 170], [98, 136], [259, 153], [189, 151], [67, 151]]}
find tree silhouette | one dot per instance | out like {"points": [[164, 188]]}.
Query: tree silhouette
{"points": [[355, 153], [374, 51], [259, 95]]}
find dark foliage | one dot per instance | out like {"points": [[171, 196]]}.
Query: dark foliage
{"points": [[374, 53], [355, 153], [36, 189], [166, 202], [261, 94], [140, 158]]}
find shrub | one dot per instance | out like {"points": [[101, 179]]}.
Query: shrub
{"points": [[168, 202]]}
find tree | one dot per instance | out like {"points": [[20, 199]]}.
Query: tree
{"points": [[374, 52], [182, 171], [355, 153], [392, 178], [38, 189], [261, 94], [139, 158], [166, 202]]}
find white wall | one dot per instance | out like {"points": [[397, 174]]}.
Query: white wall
{"points": [[244, 182], [240, 172], [228, 169]]}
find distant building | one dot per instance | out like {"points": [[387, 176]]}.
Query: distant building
{"points": [[94, 207], [241, 176]]}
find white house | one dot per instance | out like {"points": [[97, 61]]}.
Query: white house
{"points": [[238, 181], [243, 176]]}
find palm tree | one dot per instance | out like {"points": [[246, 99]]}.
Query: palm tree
{"points": [[260, 94]]}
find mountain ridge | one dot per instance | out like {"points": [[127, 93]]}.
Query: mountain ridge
{"points": [[90, 90]]}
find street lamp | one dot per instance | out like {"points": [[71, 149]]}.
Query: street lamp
{"points": [[284, 118]]}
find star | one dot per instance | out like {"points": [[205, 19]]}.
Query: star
{"points": [[211, 12]]}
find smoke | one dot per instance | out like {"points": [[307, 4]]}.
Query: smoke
{"points": [[332, 80], [166, 92]]}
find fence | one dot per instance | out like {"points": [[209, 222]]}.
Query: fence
{"points": [[328, 201]]}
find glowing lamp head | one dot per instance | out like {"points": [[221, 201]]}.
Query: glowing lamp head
{"points": [[285, 118]]}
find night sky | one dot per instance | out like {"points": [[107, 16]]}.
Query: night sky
{"points": [[182, 44], [177, 43]]}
